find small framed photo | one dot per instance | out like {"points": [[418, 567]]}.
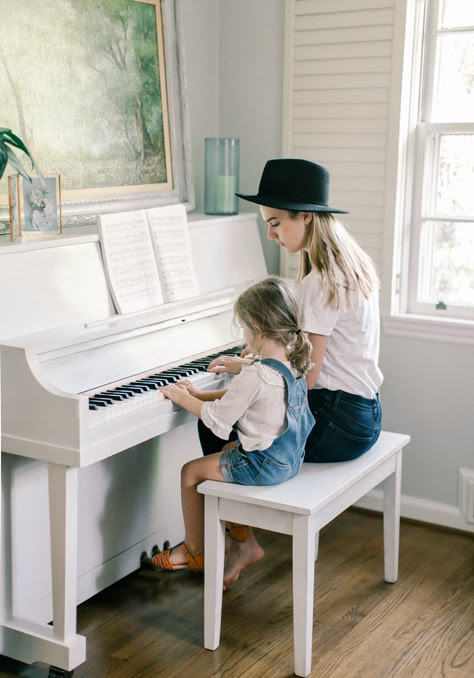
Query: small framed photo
{"points": [[40, 205]]}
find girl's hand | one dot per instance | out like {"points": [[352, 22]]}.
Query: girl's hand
{"points": [[188, 386], [177, 394], [230, 364]]}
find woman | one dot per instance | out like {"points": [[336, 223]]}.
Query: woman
{"points": [[338, 304]]}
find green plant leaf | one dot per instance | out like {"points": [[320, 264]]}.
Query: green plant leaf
{"points": [[14, 162], [8, 137], [3, 158], [13, 140]]}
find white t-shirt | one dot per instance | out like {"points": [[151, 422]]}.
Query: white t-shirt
{"points": [[350, 361], [256, 401]]}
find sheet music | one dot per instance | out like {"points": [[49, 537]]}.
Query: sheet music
{"points": [[170, 238], [130, 261]]}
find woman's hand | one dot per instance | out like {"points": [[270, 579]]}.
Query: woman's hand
{"points": [[248, 353], [230, 363]]}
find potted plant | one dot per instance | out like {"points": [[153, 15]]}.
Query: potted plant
{"points": [[7, 154]]}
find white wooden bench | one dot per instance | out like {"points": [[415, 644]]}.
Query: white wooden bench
{"points": [[300, 507]]}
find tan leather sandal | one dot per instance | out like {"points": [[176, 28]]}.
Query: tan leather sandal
{"points": [[162, 560], [239, 532]]}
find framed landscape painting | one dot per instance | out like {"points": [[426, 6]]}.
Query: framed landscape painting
{"points": [[97, 98]]}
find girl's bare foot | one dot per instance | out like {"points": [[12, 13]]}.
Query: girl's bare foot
{"points": [[241, 554]]}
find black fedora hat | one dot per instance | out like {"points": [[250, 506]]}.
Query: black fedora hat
{"points": [[293, 184]]}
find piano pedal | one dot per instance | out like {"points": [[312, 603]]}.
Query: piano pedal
{"points": [[146, 561], [55, 672]]}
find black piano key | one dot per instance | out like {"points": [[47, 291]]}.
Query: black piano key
{"points": [[159, 382], [152, 385], [130, 390], [106, 399], [106, 395], [134, 388], [145, 387], [97, 402], [177, 372], [170, 378], [188, 371], [115, 395]]}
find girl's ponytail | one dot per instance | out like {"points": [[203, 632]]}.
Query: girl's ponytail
{"points": [[299, 352]]}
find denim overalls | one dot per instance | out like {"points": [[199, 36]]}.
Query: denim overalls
{"points": [[283, 459]]}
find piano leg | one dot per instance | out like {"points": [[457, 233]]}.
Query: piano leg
{"points": [[63, 497], [63, 503], [58, 645]]}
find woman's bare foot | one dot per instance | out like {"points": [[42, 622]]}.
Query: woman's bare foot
{"points": [[241, 554]]}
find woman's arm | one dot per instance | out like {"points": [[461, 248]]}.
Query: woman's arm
{"points": [[318, 342]]}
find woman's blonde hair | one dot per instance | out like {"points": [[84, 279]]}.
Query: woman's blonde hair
{"points": [[343, 264], [269, 308]]}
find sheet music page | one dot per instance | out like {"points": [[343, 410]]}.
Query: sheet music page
{"points": [[170, 237], [129, 261]]}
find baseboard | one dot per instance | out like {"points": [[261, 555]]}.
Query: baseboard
{"points": [[424, 510]]}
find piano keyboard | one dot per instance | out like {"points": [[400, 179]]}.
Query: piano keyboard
{"points": [[130, 394]]}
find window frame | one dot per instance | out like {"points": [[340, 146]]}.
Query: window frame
{"points": [[423, 144]]}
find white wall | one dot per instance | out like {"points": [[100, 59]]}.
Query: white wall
{"points": [[428, 393], [234, 61]]}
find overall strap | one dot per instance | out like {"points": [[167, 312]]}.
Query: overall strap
{"points": [[279, 367]]}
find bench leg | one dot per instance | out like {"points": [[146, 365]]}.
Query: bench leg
{"points": [[391, 521], [214, 544], [316, 546], [303, 591]]}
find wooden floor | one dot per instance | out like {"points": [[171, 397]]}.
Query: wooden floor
{"points": [[151, 624]]}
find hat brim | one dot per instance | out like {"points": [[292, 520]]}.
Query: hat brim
{"points": [[282, 204]]}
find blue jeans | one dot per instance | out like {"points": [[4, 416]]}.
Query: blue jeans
{"points": [[346, 426]]}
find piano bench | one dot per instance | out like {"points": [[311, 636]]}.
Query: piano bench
{"points": [[300, 507]]}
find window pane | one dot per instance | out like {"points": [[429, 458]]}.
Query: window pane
{"points": [[458, 13], [454, 86], [455, 185], [447, 264]]}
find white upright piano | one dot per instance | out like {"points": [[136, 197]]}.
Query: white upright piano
{"points": [[91, 451]]}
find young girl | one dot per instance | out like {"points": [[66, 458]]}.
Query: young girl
{"points": [[338, 304], [266, 404]]}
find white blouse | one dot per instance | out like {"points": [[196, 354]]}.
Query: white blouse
{"points": [[256, 402], [350, 361]]}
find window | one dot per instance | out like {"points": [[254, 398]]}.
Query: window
{"points": [[441, 209]]}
